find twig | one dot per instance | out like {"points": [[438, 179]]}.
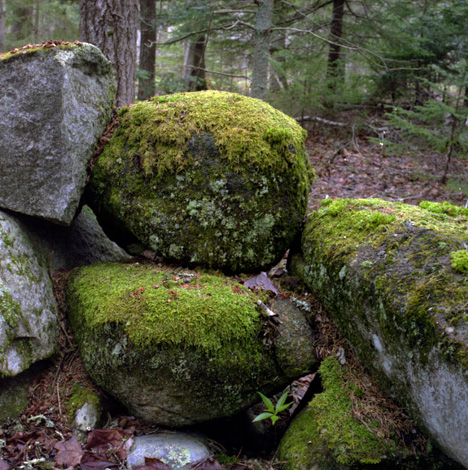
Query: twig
{"points": [[356, 146], [59, 403], [318, 119]]}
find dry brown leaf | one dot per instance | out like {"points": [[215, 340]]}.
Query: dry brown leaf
{"points": [[69, 452]]}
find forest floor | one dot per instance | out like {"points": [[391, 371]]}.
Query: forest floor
{"points": [[346, 166]]}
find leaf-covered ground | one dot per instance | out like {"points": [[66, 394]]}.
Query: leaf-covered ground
{"points": [[347, 165]]}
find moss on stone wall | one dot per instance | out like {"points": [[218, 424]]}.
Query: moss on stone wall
{"points": [[43, 49], [247, 132], [327, 436], [155, 306], [385, 272], [81, 395], [162, 340], [207, 178]]}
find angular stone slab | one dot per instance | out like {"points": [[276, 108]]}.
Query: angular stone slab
{"points": [[179, 348], [395, 280], [54, 105], [28, 310], [83, 242]]}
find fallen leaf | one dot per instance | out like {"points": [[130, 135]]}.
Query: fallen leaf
{"points": [[69, 452], [90, 462], [261, 282], [4, 465]]}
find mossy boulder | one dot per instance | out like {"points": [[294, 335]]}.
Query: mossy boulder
{"points": [[327, 436], [392, 278], [208, 178], [179, 347], [55, 102], [28, 310]]}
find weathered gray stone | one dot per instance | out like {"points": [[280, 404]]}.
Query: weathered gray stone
{"points": [[394, 279], [83, 242], [28, 310], [54, 105], [178, 450], [180, 348]]}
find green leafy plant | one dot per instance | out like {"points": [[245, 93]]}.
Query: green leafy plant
{"points": [[272, 410]]}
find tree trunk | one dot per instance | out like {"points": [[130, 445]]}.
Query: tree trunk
{"points": [[146, 87], [194, 64], [111, 25], [335, 70], [23, 22], [277, 77], [2, 25], [264, 22]]}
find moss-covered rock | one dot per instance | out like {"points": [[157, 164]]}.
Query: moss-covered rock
{"points": [[207, 178], [84, 408], [177, 347], [392, 278], [328, 436], [28, 310]]}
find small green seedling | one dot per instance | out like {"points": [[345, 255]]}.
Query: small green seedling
{"points": [[273, 411]]}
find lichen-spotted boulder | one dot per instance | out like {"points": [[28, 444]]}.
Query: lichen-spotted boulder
{"points": [[394, 278], [208, 178], [28, 310], [55, 102], [178, 347]]}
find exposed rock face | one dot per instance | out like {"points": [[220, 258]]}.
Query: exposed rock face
{"points": [[179, 348], [393, 278], [28, 310], [54, 105], [208, 178], [82, 243]]}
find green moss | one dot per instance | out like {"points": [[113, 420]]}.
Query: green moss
{"points": [[196, 333], [156, 307], [459, 260], [327, 433], [248, 132], [207, 178], [396, 276], [40, 49], [80, 396], [10, 315], [444, 208]]}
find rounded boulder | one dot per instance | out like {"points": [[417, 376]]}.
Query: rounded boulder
{"points": [[179, 348], [206, 178]]}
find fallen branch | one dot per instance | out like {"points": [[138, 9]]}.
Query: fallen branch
{"points": [[323, 121]]}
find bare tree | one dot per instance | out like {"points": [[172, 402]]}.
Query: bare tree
{"points": [[111, 25], [263, 26], [335, 69], [2, 25], [146, 87], [194, 63]]}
